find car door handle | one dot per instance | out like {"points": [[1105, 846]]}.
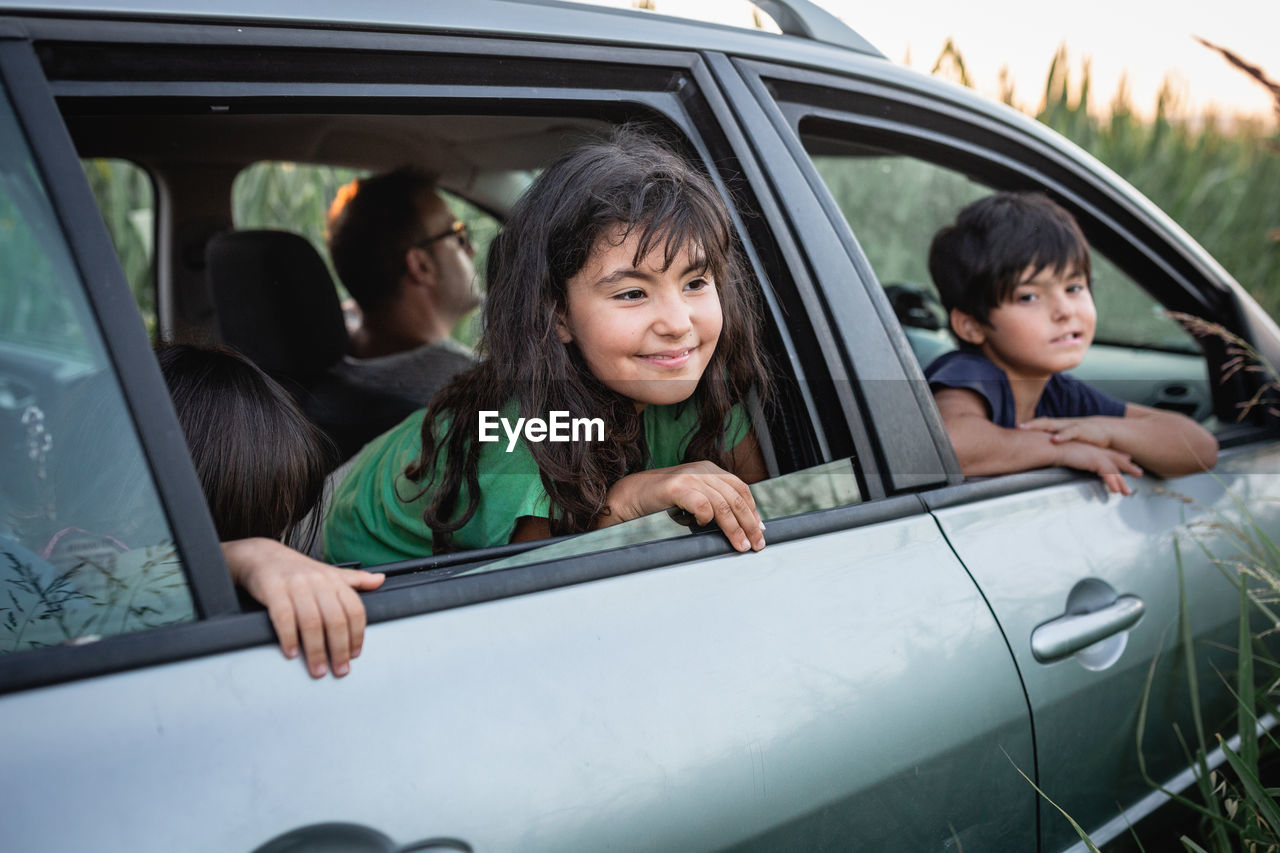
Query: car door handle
{"points": [[353, 838], [1071, 632]]}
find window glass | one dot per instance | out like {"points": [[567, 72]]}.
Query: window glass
{"points": [[127, 200], [1129, 316], [895, 204], [826, 486], [297, 197], [85, 549]]}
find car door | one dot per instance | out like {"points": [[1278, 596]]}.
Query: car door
{"points": [[1052, 551], [847, 686]]}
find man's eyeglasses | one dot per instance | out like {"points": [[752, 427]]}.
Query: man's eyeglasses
{"points": [[458, 231]]}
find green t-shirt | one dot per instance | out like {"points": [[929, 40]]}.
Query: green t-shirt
{"points": [[376, 512]]}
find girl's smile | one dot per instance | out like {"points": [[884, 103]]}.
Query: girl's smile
{"points": [[668, 360], [645, 330]]}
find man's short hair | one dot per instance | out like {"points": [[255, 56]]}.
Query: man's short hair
{"points": [[977, 262], [372, 230]]}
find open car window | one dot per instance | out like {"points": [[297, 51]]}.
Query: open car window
{"points": [[895, 203], [275, 167]]}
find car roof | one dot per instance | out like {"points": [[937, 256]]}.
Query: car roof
{"points": [[800, 20]]}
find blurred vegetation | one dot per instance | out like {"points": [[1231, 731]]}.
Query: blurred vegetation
{"points": [[127, 201], [290, 196], [1219, 182], [1216, 176]]}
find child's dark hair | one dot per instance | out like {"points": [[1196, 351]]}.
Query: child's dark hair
{"points": [[977, 262], [261, 462], [635, 182]]}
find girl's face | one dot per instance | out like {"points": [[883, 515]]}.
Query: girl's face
{"points": [[645, 332]]}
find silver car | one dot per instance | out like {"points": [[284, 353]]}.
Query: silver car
{"points": [[877, 679]]}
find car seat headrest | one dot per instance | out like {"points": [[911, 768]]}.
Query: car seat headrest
{"points": [[276, 302], [915, 306]]}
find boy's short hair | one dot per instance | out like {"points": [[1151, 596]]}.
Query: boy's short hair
{"points": [[977, 262]]}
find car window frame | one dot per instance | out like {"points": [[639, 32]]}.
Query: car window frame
{"points": [[1000, 151], [707, 123], [886, 399], [120, 325], [129, 355]]}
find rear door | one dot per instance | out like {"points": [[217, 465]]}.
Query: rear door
{"points": [[846, 687], [896, 163]]}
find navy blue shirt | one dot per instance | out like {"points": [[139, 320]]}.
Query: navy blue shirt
{"points": [[1064, 396]]}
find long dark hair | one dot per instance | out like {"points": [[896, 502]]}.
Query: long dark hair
{"points": [[261, 462], [635, 182]]}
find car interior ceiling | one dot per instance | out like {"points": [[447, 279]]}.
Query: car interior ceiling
{"points": [[462, 150]]}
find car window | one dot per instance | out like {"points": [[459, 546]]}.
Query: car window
{"points": [[289, 196], [85, 548], [127, 201], [895, 204], [488, 154], [298, 196]]}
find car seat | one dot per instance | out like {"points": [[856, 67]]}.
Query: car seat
{"points": [[277, 304], [923, 319]]}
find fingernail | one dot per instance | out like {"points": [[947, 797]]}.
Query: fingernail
{"points": [[743, 544], [762, 524], [319, 670], [291, 653], [342, 670], [355, 653]]}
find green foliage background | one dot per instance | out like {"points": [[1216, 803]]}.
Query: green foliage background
{"points": [[1220, 180]]}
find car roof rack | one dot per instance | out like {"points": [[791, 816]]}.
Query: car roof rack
{"points": [[801, 18], [808, 20]]}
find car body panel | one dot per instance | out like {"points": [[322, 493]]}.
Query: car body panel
{"points": [[866, 682], [1028, 551], [737, 701]]}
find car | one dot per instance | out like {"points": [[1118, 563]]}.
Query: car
{"points": [[911, 652]]}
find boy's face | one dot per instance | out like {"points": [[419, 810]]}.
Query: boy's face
{"points": [[1045, 327]]}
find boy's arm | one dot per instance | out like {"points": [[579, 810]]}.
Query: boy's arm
{"points": [[984, 448], [1166, 443]]}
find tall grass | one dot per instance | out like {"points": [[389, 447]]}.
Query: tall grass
{"points": [[1219, 180], [1217, 177], [1238, 812]]}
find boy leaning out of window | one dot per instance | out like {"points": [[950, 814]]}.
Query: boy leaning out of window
{"points": [[1013, 273]]}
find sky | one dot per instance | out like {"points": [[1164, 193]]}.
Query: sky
{"points": [[1142, 40]]}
